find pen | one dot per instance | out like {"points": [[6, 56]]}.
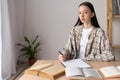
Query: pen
{"points": [[60, 52]]}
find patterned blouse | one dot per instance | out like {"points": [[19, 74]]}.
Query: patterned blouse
{"points": [[98, 47]]}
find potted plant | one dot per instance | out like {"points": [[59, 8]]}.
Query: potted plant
{"points": [[30, 49]]}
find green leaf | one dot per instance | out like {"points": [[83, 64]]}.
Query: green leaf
{"points": [[29, 49], [35, 39], [36, 46], [26, 39], [21, 45]]}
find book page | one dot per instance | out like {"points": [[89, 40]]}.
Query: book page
{"points": [[90, 72], [42, 66], [74, 72], [75, 63], [53, 70], [110, 71]]}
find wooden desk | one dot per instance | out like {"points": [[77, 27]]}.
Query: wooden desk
{"points": [[95, 64]]}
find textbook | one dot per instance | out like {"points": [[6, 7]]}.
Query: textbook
{"points": [[110, 71], [82, 73], [49, 71]]}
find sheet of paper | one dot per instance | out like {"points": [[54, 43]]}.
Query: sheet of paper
{"points": [[76, 63]]}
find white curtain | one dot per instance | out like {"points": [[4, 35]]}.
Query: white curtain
{"points": [[8, 56], [0, 45]]}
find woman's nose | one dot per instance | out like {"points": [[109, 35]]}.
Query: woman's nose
{"points": [[82, 15]]}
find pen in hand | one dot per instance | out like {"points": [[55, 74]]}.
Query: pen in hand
{"points": [[62, 56], [60, 52]]}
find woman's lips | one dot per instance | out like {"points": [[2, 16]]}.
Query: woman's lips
{"points": [[83, 19]]}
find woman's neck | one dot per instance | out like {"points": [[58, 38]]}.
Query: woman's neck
{"points": [[86, 26]]}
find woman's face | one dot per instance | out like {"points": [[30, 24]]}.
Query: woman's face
{"points": [[85, 14]]}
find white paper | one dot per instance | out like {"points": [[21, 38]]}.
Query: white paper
{"points": [[76, 63]]}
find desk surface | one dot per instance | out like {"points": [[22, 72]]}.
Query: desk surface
{"points": [[95, 64]]}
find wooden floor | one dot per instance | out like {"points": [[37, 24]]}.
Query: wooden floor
{"points": [[20, 70]]}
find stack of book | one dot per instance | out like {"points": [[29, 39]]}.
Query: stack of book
{"points": [[49, 71]]}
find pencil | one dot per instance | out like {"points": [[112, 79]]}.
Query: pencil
{"points": [[60, 52]]}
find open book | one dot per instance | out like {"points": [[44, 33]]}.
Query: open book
{"points": [[40, 67], [52, 72], [49, 71], [81, 73], [35, 70], [111, 71]]}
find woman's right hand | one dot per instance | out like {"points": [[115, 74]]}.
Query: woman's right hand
{"points": [[62, 57]]}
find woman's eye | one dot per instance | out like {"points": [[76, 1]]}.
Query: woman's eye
{"points": [[79, 12], [86, 12]]}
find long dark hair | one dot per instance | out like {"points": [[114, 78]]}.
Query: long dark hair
{"points": [[94, 21]]}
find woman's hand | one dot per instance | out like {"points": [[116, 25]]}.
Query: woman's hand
{"points": [[62, 57]]}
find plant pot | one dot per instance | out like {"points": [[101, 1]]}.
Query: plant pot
{"points": [[31, 61]]}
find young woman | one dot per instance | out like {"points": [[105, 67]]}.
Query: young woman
{"points": [[87, 40]]}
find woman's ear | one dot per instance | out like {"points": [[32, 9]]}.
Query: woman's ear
{"points": [[92, 15]]}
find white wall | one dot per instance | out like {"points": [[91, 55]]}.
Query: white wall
{"points": [[19, 19], [116, 31], [53, 19]]}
